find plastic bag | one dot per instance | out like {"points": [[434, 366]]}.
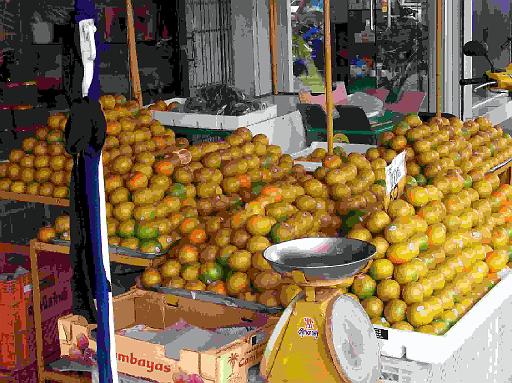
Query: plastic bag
{"points": [[370, 104], [222, 100]]}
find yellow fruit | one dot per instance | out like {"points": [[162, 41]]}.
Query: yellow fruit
{"points": [[387, 290], [437, 279], [363, 286], [397, 232], [417, 196], [436, 234], [447, 298], [405, 273], [381, 269], [436, 306], [402, 325], [496, 260], [418, 314], [450, 317], [395, 311], [377, 221], [259, 225], [381, 245], [412, 293], [380, 321], [483, 188], [360, 234], [421, 267], [400, 253], [400, 208], [427, 329], [427, 287], [373, 306]]}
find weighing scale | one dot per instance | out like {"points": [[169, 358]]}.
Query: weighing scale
{"points": [[323, 335]]}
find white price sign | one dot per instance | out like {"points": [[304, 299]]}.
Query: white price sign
{"points": [[395, 172]]}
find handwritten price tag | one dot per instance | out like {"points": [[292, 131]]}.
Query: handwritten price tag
{"points": [[395, 178]]}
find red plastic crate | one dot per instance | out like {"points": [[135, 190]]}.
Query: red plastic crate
{"points": [[17, 333], [27, 374]]}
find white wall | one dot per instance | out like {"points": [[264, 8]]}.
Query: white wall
{"points": [[251, 46]]}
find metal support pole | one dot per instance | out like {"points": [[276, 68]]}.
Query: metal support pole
{"points": [[439, 48]]}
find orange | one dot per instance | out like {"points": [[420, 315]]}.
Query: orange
{"points": [[272, 191], [245, 181], [395, 311], [419, 314], [497, 260], [403, 326], [388, 289], [405, 273], [164, 167], [400, 253], [360, 234], [412, 293], [417, 196], [436, 234], [218, 287], [381, 269], [259, 225], [373, 306], [363, 286], [500, 238], [188, 254], [188, 225], [197, 236]]}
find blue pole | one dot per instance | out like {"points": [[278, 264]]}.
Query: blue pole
{"points": [[107, 366]]}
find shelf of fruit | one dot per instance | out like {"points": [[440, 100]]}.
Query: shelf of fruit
{"points": [[55, 239], [440, 247]]}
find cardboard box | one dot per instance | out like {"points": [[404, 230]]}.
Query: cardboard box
{"points": [[227, 364]]}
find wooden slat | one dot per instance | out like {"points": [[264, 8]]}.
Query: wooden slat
{"points": [[34, 199], [114, 257], [65, 377], [273, 44], [328, 76]]}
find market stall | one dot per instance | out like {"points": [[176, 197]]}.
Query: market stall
{"points": [[248, 250]]}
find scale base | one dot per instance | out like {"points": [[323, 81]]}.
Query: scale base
{"points": [[301, 352]]}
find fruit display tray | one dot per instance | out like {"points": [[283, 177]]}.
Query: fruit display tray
{"points": [[220, 300], [501, 167], [431, 349], [216, 122], [33, 199], [312, 166], [119, 250], [117, 255]]}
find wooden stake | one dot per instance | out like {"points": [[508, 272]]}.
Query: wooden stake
{"points": [[36, 300], [132, 48], [328, 76], [439, 50], [273, 44]]}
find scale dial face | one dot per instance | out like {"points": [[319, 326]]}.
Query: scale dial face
{"points": [[352, 341]]}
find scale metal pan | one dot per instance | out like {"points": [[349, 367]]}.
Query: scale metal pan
{"points": [[320, 258]]}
